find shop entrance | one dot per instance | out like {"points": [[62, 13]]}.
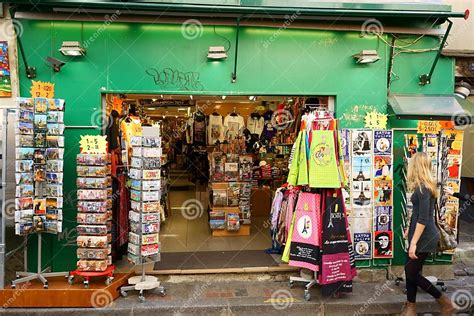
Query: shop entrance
{"points": [[223, 158]]}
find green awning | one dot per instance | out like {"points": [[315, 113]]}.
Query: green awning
{"points": [[386, 9], [432, 107]]}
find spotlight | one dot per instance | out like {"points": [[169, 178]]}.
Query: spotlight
{"points": [[252, 98], [462, 90], [72, 48], [367, 57], [216, 53], [55, 63]]}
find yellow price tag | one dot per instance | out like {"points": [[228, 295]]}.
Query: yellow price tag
{"points": [[429, 127], [41, 89], [93, 144], [376, 120]]}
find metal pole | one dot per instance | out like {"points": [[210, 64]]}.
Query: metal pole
{"points": [[234, 74], [4, 169], [39, 252]]}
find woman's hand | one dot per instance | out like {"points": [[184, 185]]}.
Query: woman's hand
{"points": [[412, 251], [448, 190]]}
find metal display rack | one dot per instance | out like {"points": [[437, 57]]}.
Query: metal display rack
{"points": [[145, 212]]}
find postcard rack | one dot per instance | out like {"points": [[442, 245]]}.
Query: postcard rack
{"points": [[146, 209], [39, 175]]}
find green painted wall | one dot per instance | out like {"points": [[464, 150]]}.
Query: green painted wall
{"points": [[271, 61]]}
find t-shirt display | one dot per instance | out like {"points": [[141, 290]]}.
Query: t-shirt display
{"points": [[215, 129], [39, 166], [255, 124], [233, 126], [268, 130]]}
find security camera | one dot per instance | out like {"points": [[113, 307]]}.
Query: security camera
{"points": [[55, 63], [463, 89]]}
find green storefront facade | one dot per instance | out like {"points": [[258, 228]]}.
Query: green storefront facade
{"points": [[125, 56]]}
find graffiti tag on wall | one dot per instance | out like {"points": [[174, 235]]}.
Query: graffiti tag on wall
{"points": [[173, 78]]}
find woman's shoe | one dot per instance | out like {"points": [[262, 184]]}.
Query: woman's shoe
{"points": [[409, 309], [447, 308]]}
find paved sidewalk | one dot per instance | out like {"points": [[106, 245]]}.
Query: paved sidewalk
{"points": [[263, 296]]}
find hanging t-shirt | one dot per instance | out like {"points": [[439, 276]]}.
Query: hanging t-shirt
{"points": [[255, 125], [215, 129], [233, 126], [199, 129], [268, 130]]}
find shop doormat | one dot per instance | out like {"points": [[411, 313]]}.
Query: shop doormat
{"points": [[216, 260], [61, 294]]}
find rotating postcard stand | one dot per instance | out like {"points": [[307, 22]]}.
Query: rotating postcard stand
{"points": [[145, 194], [39, 164], [94, 214]]}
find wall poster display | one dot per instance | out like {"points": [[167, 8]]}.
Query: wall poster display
{"points": [[368, 162]]}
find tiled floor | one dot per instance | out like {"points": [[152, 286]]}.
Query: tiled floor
{"points": [[189, 231]]}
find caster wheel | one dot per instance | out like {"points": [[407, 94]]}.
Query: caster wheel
{"points": [[86, 284], [17, 276], [163, 293], [290, 284], [307, 296], [141, 298], [444, 288], [45, 286], [70, 280], [13, 286], [123, 293], [397, 282]]}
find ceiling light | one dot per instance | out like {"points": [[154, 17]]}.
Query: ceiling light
{"points": [[191, 96], [161, 96], [223, 97], [216, 53], [151, 109], [366, 57], [176, 116], [154, 100], [72, 49], [164, 116], [251, 98]]}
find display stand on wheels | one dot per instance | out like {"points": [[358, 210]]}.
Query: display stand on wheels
{"points": [[145, 174]]}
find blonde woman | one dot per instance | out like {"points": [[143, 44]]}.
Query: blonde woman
{"points": [[423, 235]]}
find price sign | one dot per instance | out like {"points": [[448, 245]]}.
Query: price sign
{"points": [[376, 120], [41, 89], [428, 127], [93, 144]]}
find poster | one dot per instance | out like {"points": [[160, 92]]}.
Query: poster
{"points": [[5, 79], [383, 218], [362, 246], [383, 143], [361, 142], [383, 244], [411, 144]]}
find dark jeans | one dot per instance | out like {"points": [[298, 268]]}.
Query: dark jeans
{"points": [[414, 279]]}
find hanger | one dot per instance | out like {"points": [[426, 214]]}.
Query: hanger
{"points": [[234, 113]]}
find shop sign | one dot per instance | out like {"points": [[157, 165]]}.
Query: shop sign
{"points": [[173, 103], [93, 144], [376, 120], [173, 78], [428, 127], [40, 89]]}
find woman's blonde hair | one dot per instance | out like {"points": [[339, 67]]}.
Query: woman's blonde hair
{"points": [[419, 174]]}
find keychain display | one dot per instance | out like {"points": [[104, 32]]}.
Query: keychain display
{"points": [[39, 165]]}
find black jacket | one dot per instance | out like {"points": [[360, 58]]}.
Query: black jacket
{"points": [[423, 213]]}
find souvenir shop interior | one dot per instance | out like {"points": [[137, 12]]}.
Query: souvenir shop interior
{"points": [[223, 158]]}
